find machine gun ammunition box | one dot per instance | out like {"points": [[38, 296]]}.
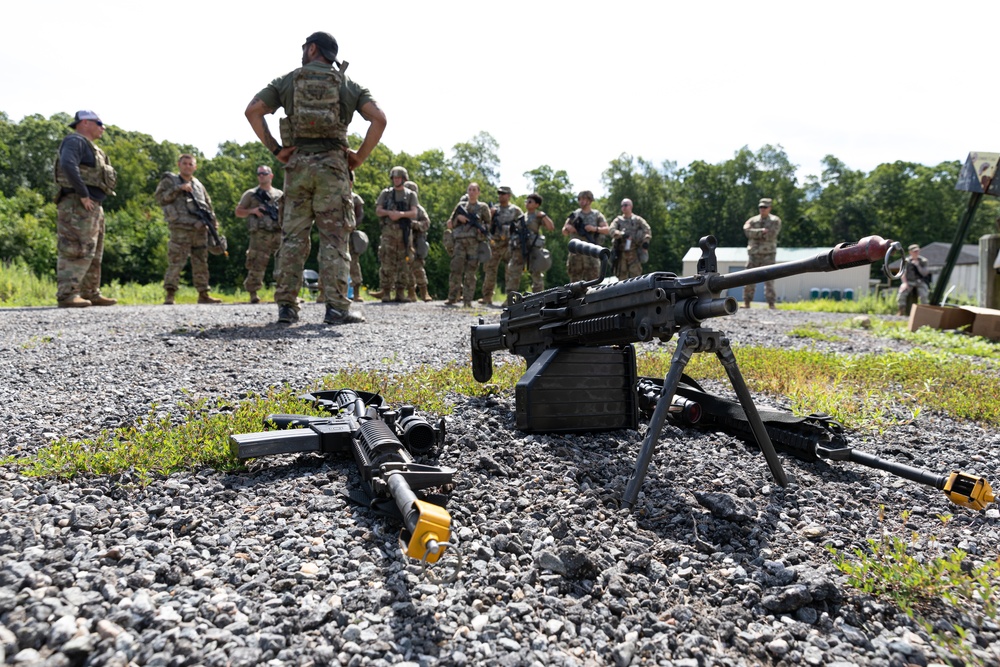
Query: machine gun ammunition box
{"points": [[578, 389]]}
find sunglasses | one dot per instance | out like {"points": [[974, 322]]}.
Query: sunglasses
{"points": [[263, 173]]}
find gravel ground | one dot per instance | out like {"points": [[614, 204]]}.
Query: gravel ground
{"points": [[717, 566]]}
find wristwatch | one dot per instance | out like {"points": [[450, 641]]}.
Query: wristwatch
{"points": [[277, 150]]}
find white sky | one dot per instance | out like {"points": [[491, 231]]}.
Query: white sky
{"points": [[568, 84]]}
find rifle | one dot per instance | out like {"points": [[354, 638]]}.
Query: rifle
{"points": [[806, 438], [521, 225], [381, 441], [405, 224], [581, 227], [268, 203], [205, 216], [617, 250], [564, 331], [473, 220]]}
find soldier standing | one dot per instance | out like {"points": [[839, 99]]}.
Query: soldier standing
{"points": [[916, 278], [501, 219], [181, 195], [418, 270], [534, 242], [762, 233], [397, 209], [260, 208], [85, 178], [587, 224], [469, 223], [320, 102], [631, 236]]}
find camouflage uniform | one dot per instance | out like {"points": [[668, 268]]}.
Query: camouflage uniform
{"points": [[264, 234], [418, 271], [500, 245], [393, 255], [317, 181], [762, 232], [188, 234], [636, 232], [517, 263], [914, 280], [356, 278], [79, 232], [462, 279], [582, 267]]}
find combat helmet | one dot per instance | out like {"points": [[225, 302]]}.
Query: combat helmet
{"points": [[399, 171], [411, 186]]}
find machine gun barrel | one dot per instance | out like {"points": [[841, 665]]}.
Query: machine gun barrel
{"points": [[867, 250]]}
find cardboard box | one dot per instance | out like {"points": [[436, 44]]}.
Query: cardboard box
{"points": [[987, 322], [940, 317]]}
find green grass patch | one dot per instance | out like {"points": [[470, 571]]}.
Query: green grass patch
{"points": [[924, 581], [159, 445], [860, 390]]}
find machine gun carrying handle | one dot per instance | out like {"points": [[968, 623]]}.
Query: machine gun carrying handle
{"points": [[579, 247], [867, 250]]}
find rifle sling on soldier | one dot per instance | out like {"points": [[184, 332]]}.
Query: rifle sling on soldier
{"points": [[473, 220], [268, 203]]}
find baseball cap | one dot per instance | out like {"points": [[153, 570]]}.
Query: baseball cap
{"points": [[86, 115], [326, 44], [763, 203], [504, 190], [913, 246]]}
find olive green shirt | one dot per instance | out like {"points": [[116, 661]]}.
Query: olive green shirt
{"points": [[353, 96]]}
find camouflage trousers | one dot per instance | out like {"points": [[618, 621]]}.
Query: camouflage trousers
{"points": [[418, 272], [80, 242], [921, 289], [515, 267], [394, 265], [581, 267], [755, 260], [356, 278], [187, 241], [263, 244], [464, 263], [628, 265], [317, 188], [501, 253]]}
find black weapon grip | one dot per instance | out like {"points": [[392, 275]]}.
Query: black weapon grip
{"points": [[579, 247]]}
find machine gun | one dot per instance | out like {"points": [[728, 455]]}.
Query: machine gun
{"points": [[381, 440], [473, 220], [205, 216], [577, 341], [267, 202], [808, 438]]}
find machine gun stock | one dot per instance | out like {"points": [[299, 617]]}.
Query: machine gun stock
{"points": [[381, 441]]}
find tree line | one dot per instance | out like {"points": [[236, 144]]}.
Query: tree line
{"points": [[910, 202]]}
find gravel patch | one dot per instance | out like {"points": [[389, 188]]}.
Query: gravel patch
{"points": [[718, 566]]}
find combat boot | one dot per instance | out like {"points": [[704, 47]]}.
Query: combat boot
{"points": [[74, 302], [411, 294], [168, 300], [423, 293], [770, 305], [376, 293], [287, 315], [334, 316], [357, 295], [254, 298], [746, 304], [98, 300], [205, 297], [902, 311]]}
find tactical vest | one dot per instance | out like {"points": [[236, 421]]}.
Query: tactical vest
{"points": [[102, 175], [316, 105], [181, 211]]}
